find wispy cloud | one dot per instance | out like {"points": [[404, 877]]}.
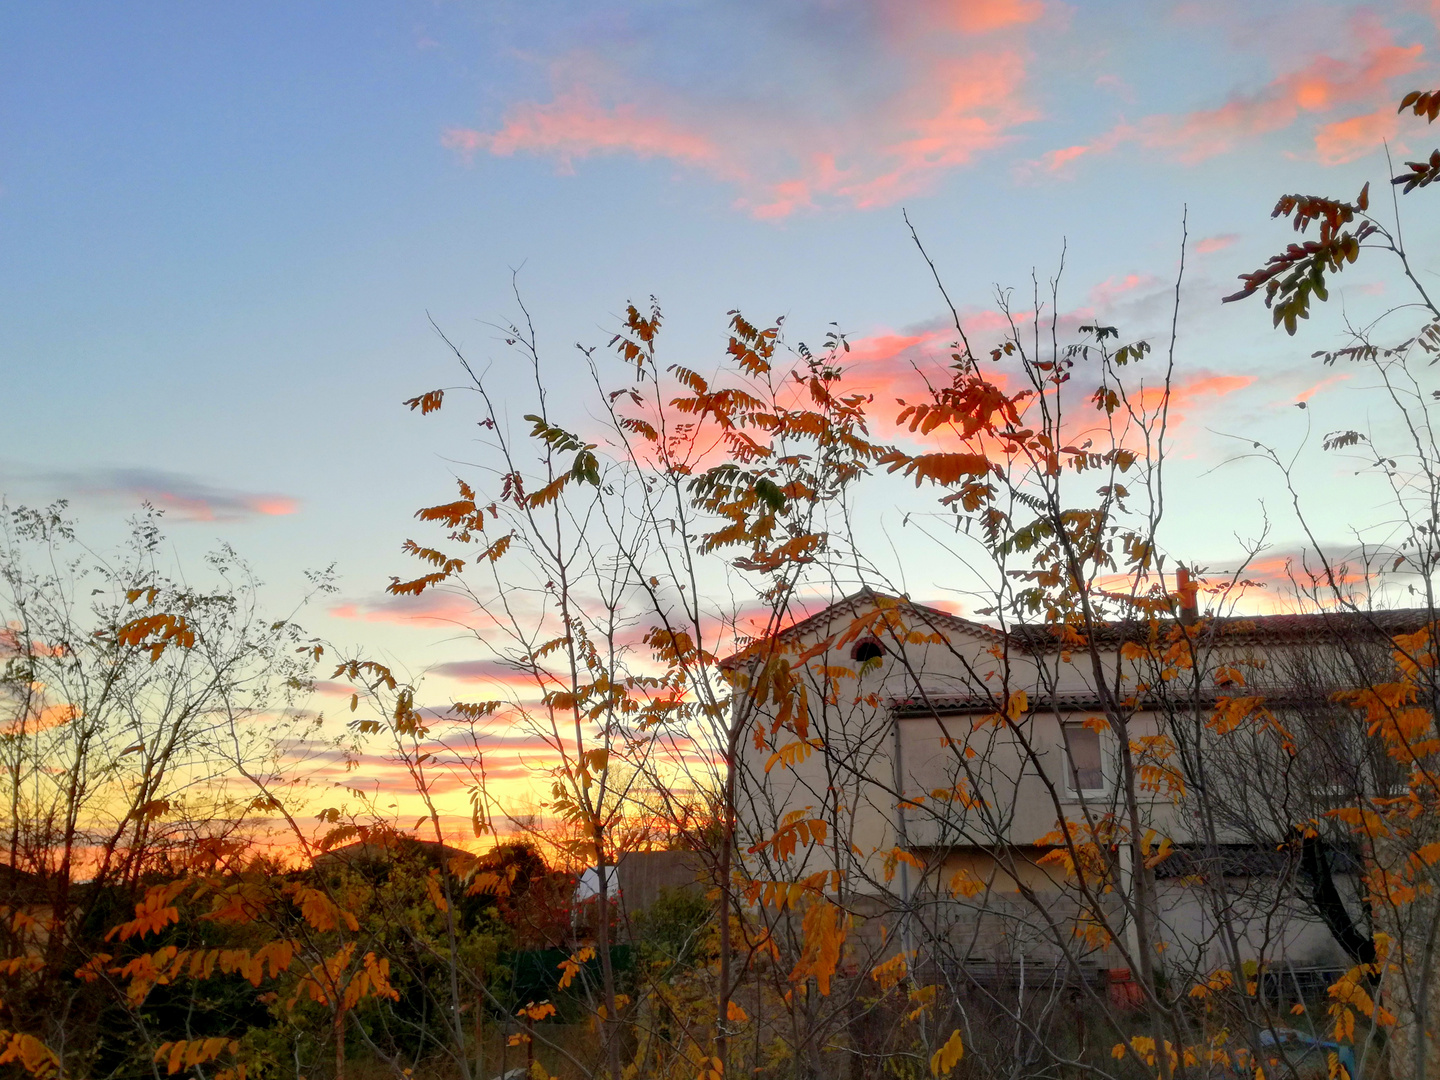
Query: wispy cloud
{"points": [[431, 606], [479, 671], [1321, 386], [1210, 244], [181, 496], [1195, 392], [967, 16], [892, 362], [946, 83], [576, 125], [1318, 86], [1346, 140], [1108, 292]]}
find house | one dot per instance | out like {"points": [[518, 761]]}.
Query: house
{"points": [[939, 757], [640, 877]]}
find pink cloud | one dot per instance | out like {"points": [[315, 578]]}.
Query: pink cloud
{"points": [[498, 676], [1211, 244], [942, 113], [1111, 289], [1214, 385], [982, 16], [429, 606], [885, 363], [273, 505], [482, 671], [978, 107], [1346, 140], [1055, 160], [1279, 575], [1199, 391], [1323, 384], [207, 508], [912, 19], [576, 125], [185, 497], [882, 347], [1318, 86]]}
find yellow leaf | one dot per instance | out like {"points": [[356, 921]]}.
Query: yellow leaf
{"points": [[824, 928], [437, 897], [891, 972], [791, 754], [948, 1055], [1016, 705]]}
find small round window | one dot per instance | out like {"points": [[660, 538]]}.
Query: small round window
{"points": [[869, 649]]}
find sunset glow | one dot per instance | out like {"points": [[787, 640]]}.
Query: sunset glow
{"points": [[231, 263]]}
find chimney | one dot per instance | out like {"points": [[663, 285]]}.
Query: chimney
{"points": [[1189, 613]]}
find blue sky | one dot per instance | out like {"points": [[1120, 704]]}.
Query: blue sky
{"points": [[226, 226]]}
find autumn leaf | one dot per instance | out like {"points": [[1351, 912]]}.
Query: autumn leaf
{"points": [[824, 929], [427, 402], [948, 1056]]}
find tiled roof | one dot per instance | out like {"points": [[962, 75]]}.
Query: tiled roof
{"points": [[1253, 629], [1228, 630], [1276, 697], [932, 617]]}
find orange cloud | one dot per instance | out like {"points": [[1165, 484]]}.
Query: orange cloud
{"points": [[1322, 84], [1216, 243], [893, 365], [185, 497], [883, 347], [942, 112], [273, 505], [42, 719], [1188, 394], [1266, 587], [912, 19], [1323, 384], [978, 105], [886, 364], [982, 16], [1346, 140], [202, 508], [1280, 574], [576, 125], [1216, 385]]}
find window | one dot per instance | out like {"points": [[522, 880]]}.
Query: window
{"points": [[1082, 751], [869, 649]]}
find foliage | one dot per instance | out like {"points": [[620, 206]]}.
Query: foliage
{"points": [[845, 908]]}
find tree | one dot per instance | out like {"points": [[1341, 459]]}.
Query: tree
{"points": [[594, 578], [1394, 826], [115, 748]]}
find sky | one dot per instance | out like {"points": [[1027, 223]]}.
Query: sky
{"points": [[227, 228]]}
